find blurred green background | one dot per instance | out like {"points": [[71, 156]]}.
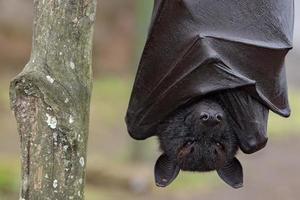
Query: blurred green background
{"points": [[119, 167]]}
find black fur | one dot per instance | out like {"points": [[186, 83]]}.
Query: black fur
{"points": [[207, 134], [194, 144]]}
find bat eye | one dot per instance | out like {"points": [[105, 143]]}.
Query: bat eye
{"points": [[186, 149], [220, 146], [189, 142], [204, 116]]}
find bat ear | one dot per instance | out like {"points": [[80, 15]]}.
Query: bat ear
{"points": [[165, 171], [232, 174]]}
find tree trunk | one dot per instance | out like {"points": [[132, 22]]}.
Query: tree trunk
{"points": [[51, 99]]}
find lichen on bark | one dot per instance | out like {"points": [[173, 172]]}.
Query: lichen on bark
{"points": [[51, 98]]}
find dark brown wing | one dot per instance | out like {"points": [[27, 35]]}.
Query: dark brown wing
{"points": [[198, 47]]}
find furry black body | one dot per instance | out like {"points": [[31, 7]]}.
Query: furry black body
{"points": [[206, 135], [198, 138]]}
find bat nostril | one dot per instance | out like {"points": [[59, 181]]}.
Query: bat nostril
{"points": [[204, 116], [211, 120], [219, 117]]}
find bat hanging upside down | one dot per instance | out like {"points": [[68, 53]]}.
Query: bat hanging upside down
{"points": [[207, 134], [210, 72]]}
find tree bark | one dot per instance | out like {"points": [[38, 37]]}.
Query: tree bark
{"points": [[51, 99]]}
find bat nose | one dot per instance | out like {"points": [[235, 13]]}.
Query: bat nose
{"points": [[211, 119]]}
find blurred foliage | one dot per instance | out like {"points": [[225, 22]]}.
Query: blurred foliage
{"points": [[279, 126], [3, 93], [109, 99], [9, 178], [143, 13]]}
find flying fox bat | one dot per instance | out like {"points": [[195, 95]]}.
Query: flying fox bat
{"points": [[206, 134], [234, 50]]}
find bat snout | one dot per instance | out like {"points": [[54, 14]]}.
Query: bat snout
{"points": [[211, 119]]}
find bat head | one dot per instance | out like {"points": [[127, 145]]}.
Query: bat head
{"points": [[198, 138]]}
